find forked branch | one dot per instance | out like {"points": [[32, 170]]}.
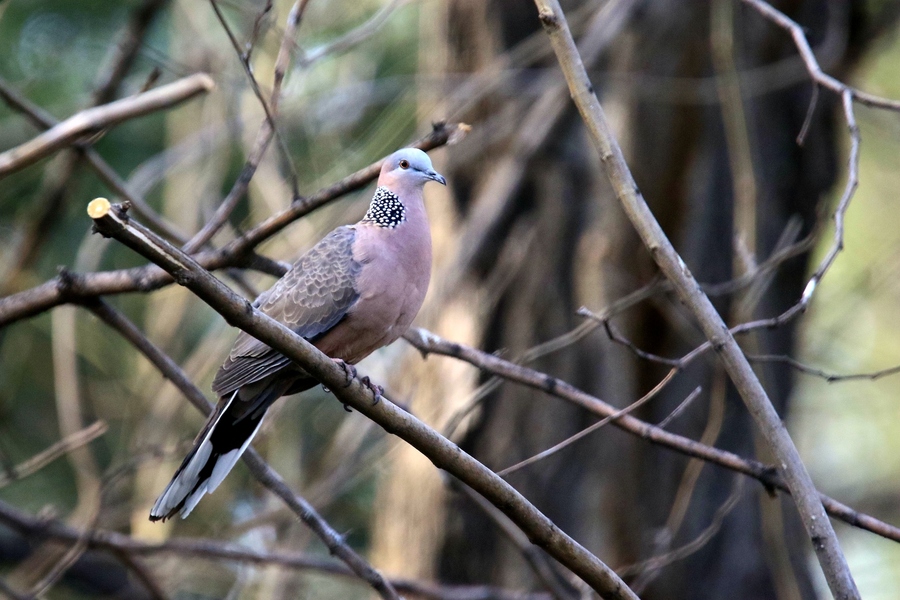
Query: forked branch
{"points": [[806, 497]]}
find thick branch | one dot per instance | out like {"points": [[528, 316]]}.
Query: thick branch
{"points": [[443, 453], [809, 505], [100, 117]]}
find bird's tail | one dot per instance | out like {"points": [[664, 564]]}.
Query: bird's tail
{"points": [[216, 450]]}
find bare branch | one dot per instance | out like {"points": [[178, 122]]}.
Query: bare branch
{"points": [[254, 85], [100, 117], [57, 450], [588, 430], [125, 545], [682, 406], [111, 221], [258, 28], [103, 170], [263, 137], [429, 343], [809, 58], [806, 497], [847, 94], [810, 111], [821, 373], [844, 203]]}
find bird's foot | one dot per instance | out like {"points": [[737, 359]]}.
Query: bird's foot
{"points": [[377, 390], [349, 371]]}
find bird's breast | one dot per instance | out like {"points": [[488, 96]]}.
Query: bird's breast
{"points": [[396, 269]]}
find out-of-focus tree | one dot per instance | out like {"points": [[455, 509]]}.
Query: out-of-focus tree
{"points": [[707, 98]]}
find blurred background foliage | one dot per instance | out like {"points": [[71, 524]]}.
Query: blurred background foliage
{"points": [[850, 430], [340, 111]]}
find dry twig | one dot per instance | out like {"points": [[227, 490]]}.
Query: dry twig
{"points": [[263, 136], [101, 117], [60, 448], [244, 58]]}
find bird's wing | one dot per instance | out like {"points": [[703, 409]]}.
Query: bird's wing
{"points": [[311, 298]]}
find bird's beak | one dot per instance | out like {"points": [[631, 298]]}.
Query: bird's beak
{"points": [[435, 176]]}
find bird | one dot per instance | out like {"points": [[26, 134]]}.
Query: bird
{"points": [[355, 291]]}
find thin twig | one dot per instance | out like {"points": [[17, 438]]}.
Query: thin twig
{"points": [[680, 408], [809, 58], [256, 31], [847, 94], [100, 117], [810, 111], [254, 85], [263, 138], [821, 373], [57, 450], [588, 430]]}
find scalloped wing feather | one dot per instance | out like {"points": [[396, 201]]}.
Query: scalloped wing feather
{"points": [[311, 298]]}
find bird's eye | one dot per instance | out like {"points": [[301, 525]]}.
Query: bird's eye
{"points": [[404, 164]]}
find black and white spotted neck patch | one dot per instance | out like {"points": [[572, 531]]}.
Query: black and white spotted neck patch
{"points": [[386, 209]]}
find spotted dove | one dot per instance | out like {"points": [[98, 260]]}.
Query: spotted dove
{"points": [[355, 291]]}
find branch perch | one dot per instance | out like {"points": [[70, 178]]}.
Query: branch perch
{"points": [[113, 222]]}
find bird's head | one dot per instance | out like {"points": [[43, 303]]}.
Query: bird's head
{"points": [[411, 165]]}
